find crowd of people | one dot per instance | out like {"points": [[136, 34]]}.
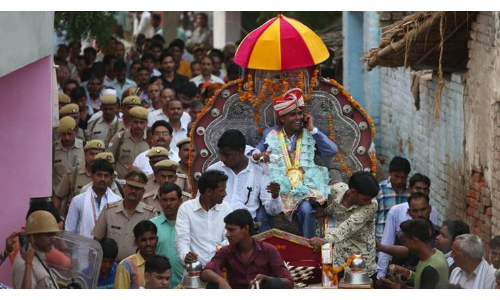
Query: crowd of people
{"points": [[120, 176]]}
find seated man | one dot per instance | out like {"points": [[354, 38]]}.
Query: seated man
{"points": [[246, 259], [291, 147], [248, 184]]}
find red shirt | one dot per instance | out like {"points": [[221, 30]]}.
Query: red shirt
{"points": [[265, 260]]}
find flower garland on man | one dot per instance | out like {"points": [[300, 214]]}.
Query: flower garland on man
{"points": [[290, 147]]}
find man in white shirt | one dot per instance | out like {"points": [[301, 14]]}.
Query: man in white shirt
{"points": [[473, 271], [207, 67], [161, 137], [161, 114], [248, 185], [179, 127], [85, 208], [142, 24], [200, 226]]}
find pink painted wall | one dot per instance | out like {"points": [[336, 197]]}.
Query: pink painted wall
{"points": [[25, 146]]}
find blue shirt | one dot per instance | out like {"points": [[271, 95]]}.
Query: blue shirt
{"points": [[387, 198], [325, 146], [108, 282]]}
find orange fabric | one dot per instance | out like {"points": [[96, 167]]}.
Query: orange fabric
{"points": [[184, 68]]}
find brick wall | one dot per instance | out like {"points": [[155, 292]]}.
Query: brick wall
{"points": [[460, 151], [433, 146], [483, 126]]}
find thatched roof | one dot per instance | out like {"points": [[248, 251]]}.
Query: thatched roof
{"points": [[425, 40]]}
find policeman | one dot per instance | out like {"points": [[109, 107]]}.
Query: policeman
{"points": [[155, 155], [126, 145], [118, 219], [77, 177], [128, 103], [41, 227], [73, 111], [67, 152], [108, 124], [63, 100], [165, 171], [182, 171]]}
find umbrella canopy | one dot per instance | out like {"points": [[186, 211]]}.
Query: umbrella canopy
{"points": [[281, 44]]}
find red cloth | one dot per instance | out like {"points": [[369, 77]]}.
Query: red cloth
{"points": [[290, 101], [265, 260]]}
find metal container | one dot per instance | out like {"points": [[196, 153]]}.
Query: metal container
{"points": [[192, 279], [356, 278], [358, 264]]}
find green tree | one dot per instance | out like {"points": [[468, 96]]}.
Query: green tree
{"points": [[81, 24]]}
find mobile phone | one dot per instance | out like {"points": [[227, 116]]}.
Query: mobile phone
{"points": [[23, 241]]}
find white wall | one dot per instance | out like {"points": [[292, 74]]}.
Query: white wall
{"points": [[26, 37]]}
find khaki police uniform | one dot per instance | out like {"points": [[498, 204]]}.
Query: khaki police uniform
{"points": [[114, 221], [40, 276], [65, 159], [125, 148], [71, 184], [155, 153], [76, 178], [152, 199], [99, 129], [183, 181]]}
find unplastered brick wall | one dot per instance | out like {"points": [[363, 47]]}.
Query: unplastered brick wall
{"points": [[434, 146], [479, 207], [483, 124]]}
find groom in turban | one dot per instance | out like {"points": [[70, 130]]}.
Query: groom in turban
{"points": [[290, 147]]}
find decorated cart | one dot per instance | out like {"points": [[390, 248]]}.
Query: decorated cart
{"points": [[279, 55]]}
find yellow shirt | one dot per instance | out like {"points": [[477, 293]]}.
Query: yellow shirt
{"points": [[130, 272]]}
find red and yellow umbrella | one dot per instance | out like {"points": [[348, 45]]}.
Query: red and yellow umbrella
{"points": [[281, 44]]}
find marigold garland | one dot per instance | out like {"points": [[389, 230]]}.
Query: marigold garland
{"points": [[331, 136], [355, 104], [332, 272], [364, 113]]}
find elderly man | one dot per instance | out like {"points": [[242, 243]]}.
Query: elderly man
{"points": [[447, 234], [473, 271]]}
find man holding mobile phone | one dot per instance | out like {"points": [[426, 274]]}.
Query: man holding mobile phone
{"points": [[30, 269], [290, 147], [9, 246]]}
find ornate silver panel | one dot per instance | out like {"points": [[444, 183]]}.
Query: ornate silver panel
{"points": [[347, 132], [239, 115]]}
